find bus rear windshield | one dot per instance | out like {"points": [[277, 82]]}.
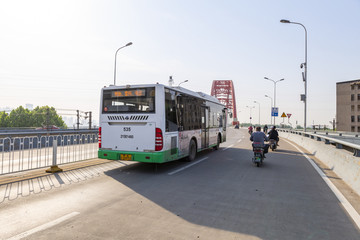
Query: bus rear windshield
{"points": [[136, 100]]}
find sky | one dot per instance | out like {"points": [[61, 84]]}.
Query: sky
{"points": [[61, 53]]}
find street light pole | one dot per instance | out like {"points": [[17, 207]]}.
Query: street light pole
{"points": [[250, 112], [274, 90], [259, 110], [271, 108], [128, 44], [305, 66], [183, 82]]}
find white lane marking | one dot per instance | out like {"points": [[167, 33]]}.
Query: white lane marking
{"points": [[228, 147], [348, 207], [44, 226], [183, 168], [239, 140]]}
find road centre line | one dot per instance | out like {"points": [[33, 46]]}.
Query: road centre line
{"points": [[344, 202], [228, 147], [44, 226], [183, 168]]}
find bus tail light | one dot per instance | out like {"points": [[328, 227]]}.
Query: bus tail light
{"points": [[158, 140], [99, 137]]}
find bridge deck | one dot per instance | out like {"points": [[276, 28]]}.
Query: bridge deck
{"points": [[221, 195]]}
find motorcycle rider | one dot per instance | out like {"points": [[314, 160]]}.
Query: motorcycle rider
{"points": [[260, 137], [273, 134], [250, 130], [265, 129]]}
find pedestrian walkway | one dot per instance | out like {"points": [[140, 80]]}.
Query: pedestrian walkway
{"points": [[22, 184]]}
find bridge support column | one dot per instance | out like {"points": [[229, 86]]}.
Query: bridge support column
{"points": [[339, 146], [356, 152]]}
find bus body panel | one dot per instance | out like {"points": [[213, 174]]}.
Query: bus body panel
{"points": [[185, 138], [131, 136]]}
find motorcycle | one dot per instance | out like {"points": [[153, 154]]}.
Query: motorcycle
{"points": [[258, 150], [273, 144]]}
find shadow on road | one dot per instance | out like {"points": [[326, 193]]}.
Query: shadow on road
{"points": [[228, 192]]}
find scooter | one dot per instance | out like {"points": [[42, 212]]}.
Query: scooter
{"points": [[273, 144], [258, 154]]}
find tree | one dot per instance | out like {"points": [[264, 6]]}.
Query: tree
{"points": [[20, 117], [46, 116], [39, 117], [4, 119]]}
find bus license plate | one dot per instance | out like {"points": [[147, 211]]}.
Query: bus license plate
{"points": [[126, 157]]}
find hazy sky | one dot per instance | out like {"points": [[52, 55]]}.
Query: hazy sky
{"points": [[61, 53]]}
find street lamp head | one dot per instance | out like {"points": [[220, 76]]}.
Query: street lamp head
{"points": [[128, 44], [284, 21], [281, 79], [266, 95], [266, 78], [183, 82]]}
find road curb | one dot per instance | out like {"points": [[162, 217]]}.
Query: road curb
{"points": [[30, 174]]}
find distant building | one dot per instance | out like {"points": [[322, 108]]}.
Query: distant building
{"points": [[348, 106], [29, 106], [6, 109]]}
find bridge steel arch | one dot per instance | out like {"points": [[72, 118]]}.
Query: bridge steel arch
{"points": [[224, 91]]}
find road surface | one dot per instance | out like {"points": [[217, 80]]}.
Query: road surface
{"points": [[221, 195]]}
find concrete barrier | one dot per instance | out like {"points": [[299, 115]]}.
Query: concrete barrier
{"points": [[341, 161]]}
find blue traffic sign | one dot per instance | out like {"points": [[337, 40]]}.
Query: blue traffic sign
{"points": [[275, 112]]}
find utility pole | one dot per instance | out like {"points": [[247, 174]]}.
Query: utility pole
{"points": [[89, 120], [47, 119], [78, 119]]}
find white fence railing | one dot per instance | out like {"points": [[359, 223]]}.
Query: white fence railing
{"points": [[26, 153], [339, 143]]}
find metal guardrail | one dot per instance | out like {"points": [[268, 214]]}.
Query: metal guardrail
{"points": [[33, 152], [34, 132], [340, 144]]}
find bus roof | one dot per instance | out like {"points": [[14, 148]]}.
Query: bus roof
{"points": [[176, 88]]}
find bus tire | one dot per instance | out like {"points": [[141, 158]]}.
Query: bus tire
{"points": [[218, 142], [192, 151]]}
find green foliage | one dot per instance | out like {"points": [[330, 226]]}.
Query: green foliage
{"points": [[39, 117], [4, 119]]}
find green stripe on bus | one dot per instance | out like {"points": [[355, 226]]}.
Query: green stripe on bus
{"points": [[150, 157]]}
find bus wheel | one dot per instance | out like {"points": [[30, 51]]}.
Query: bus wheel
{"points": [[217, 143], [192, 151]]}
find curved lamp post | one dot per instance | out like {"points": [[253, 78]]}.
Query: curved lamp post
{"points": [[183, 82], [271, 108], [305, 66], [274, 90], [250, 111], [128, 44]]}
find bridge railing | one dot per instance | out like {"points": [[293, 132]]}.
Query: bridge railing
{"points": [[340, 144], [21, 153]]}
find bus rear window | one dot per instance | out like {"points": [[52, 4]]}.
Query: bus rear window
{"points": [[136, 100]]}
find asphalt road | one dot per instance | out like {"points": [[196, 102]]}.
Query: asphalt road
{"points": [[221, 195]]}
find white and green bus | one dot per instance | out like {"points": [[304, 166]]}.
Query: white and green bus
{"points": [[157, 123]]}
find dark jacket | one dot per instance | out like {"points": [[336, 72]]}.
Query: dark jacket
{"points": [[273, 134]]}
